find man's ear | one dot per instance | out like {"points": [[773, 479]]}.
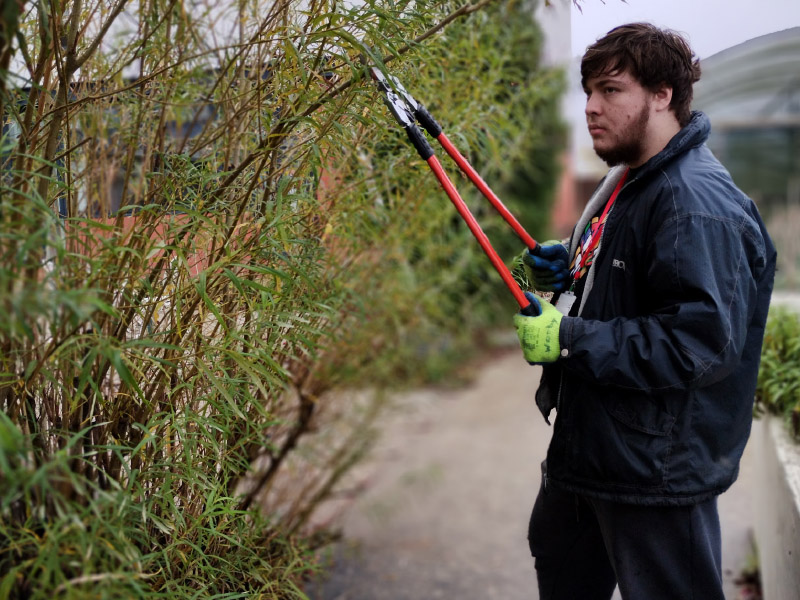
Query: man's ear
{"points": [[662, 97]]}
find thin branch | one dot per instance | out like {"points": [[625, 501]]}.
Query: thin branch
{"points": [[270, 142], [465, 10], [80, 60]]}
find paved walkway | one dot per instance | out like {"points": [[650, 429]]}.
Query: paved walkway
{"points": [[450, 490]]}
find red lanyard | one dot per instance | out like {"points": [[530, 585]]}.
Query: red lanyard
{"points": [[588, 252]]}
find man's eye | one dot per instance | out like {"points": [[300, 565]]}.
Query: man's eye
{"points": [[611, 90]]}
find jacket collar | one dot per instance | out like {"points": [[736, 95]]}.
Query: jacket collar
{"points": [[694, 134]]}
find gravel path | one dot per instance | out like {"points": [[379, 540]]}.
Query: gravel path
{"points": [[451, 485]]}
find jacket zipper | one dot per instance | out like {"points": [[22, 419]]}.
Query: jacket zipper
{"points": [[561, 373], [560, 385]]}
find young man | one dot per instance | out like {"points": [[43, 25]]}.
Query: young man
{"points": [[651, 353]]}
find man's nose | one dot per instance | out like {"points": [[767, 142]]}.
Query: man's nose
{"points": [[592, 105]]}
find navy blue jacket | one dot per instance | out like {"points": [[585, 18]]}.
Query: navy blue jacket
{"points": [[655, 387]]}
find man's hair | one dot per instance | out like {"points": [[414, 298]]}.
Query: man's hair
{"points": [[652, 56]]}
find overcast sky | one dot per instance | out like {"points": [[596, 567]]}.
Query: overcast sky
{"points": [[710, 25]]}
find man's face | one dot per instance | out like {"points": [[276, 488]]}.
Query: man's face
{"points": [[617, 114]]}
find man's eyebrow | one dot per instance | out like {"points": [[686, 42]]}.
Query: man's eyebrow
{"points": [[606, 80]]}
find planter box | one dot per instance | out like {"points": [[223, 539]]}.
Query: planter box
{"points": [[777, 505]]}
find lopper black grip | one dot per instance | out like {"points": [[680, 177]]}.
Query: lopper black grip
{"points": [[532, 310], [420, 143], [427, 121]]}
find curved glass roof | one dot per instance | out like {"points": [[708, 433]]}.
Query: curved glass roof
{"points": [[756, 83]]}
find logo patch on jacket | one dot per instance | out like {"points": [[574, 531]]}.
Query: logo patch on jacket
{"points": [[619, 264]]}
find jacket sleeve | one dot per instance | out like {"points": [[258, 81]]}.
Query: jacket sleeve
{"points": [[702, 281]]}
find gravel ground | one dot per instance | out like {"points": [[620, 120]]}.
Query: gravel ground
{"points": [[449, 492]]}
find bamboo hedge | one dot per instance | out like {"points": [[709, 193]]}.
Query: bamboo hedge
{"points": [[211, 233], [778, 389]]}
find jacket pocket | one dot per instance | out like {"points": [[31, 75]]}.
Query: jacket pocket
{"points": [[625, 445], [642, 438], [642, 415]]}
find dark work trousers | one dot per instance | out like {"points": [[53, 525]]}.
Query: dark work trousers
{"points": [[583, 547]]}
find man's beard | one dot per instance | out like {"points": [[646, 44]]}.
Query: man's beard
{"points": [[631, 144]]}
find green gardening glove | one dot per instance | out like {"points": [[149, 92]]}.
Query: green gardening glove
{"points": [[538, 335]]}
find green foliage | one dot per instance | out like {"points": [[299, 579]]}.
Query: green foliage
{"points": [[517, 148], [204, 242], [778, 390]]}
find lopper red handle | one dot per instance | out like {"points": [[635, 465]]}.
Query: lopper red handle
{"points": [[476, 230], [476, 179]]}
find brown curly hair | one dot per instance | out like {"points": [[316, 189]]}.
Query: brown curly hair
{"points": [[653, 56]]}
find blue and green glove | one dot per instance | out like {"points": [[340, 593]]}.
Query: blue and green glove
{"points": [[538, 335], [547, 267]]}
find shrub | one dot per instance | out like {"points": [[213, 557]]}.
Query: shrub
{"points": [[202, 239], [778, 390]]}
